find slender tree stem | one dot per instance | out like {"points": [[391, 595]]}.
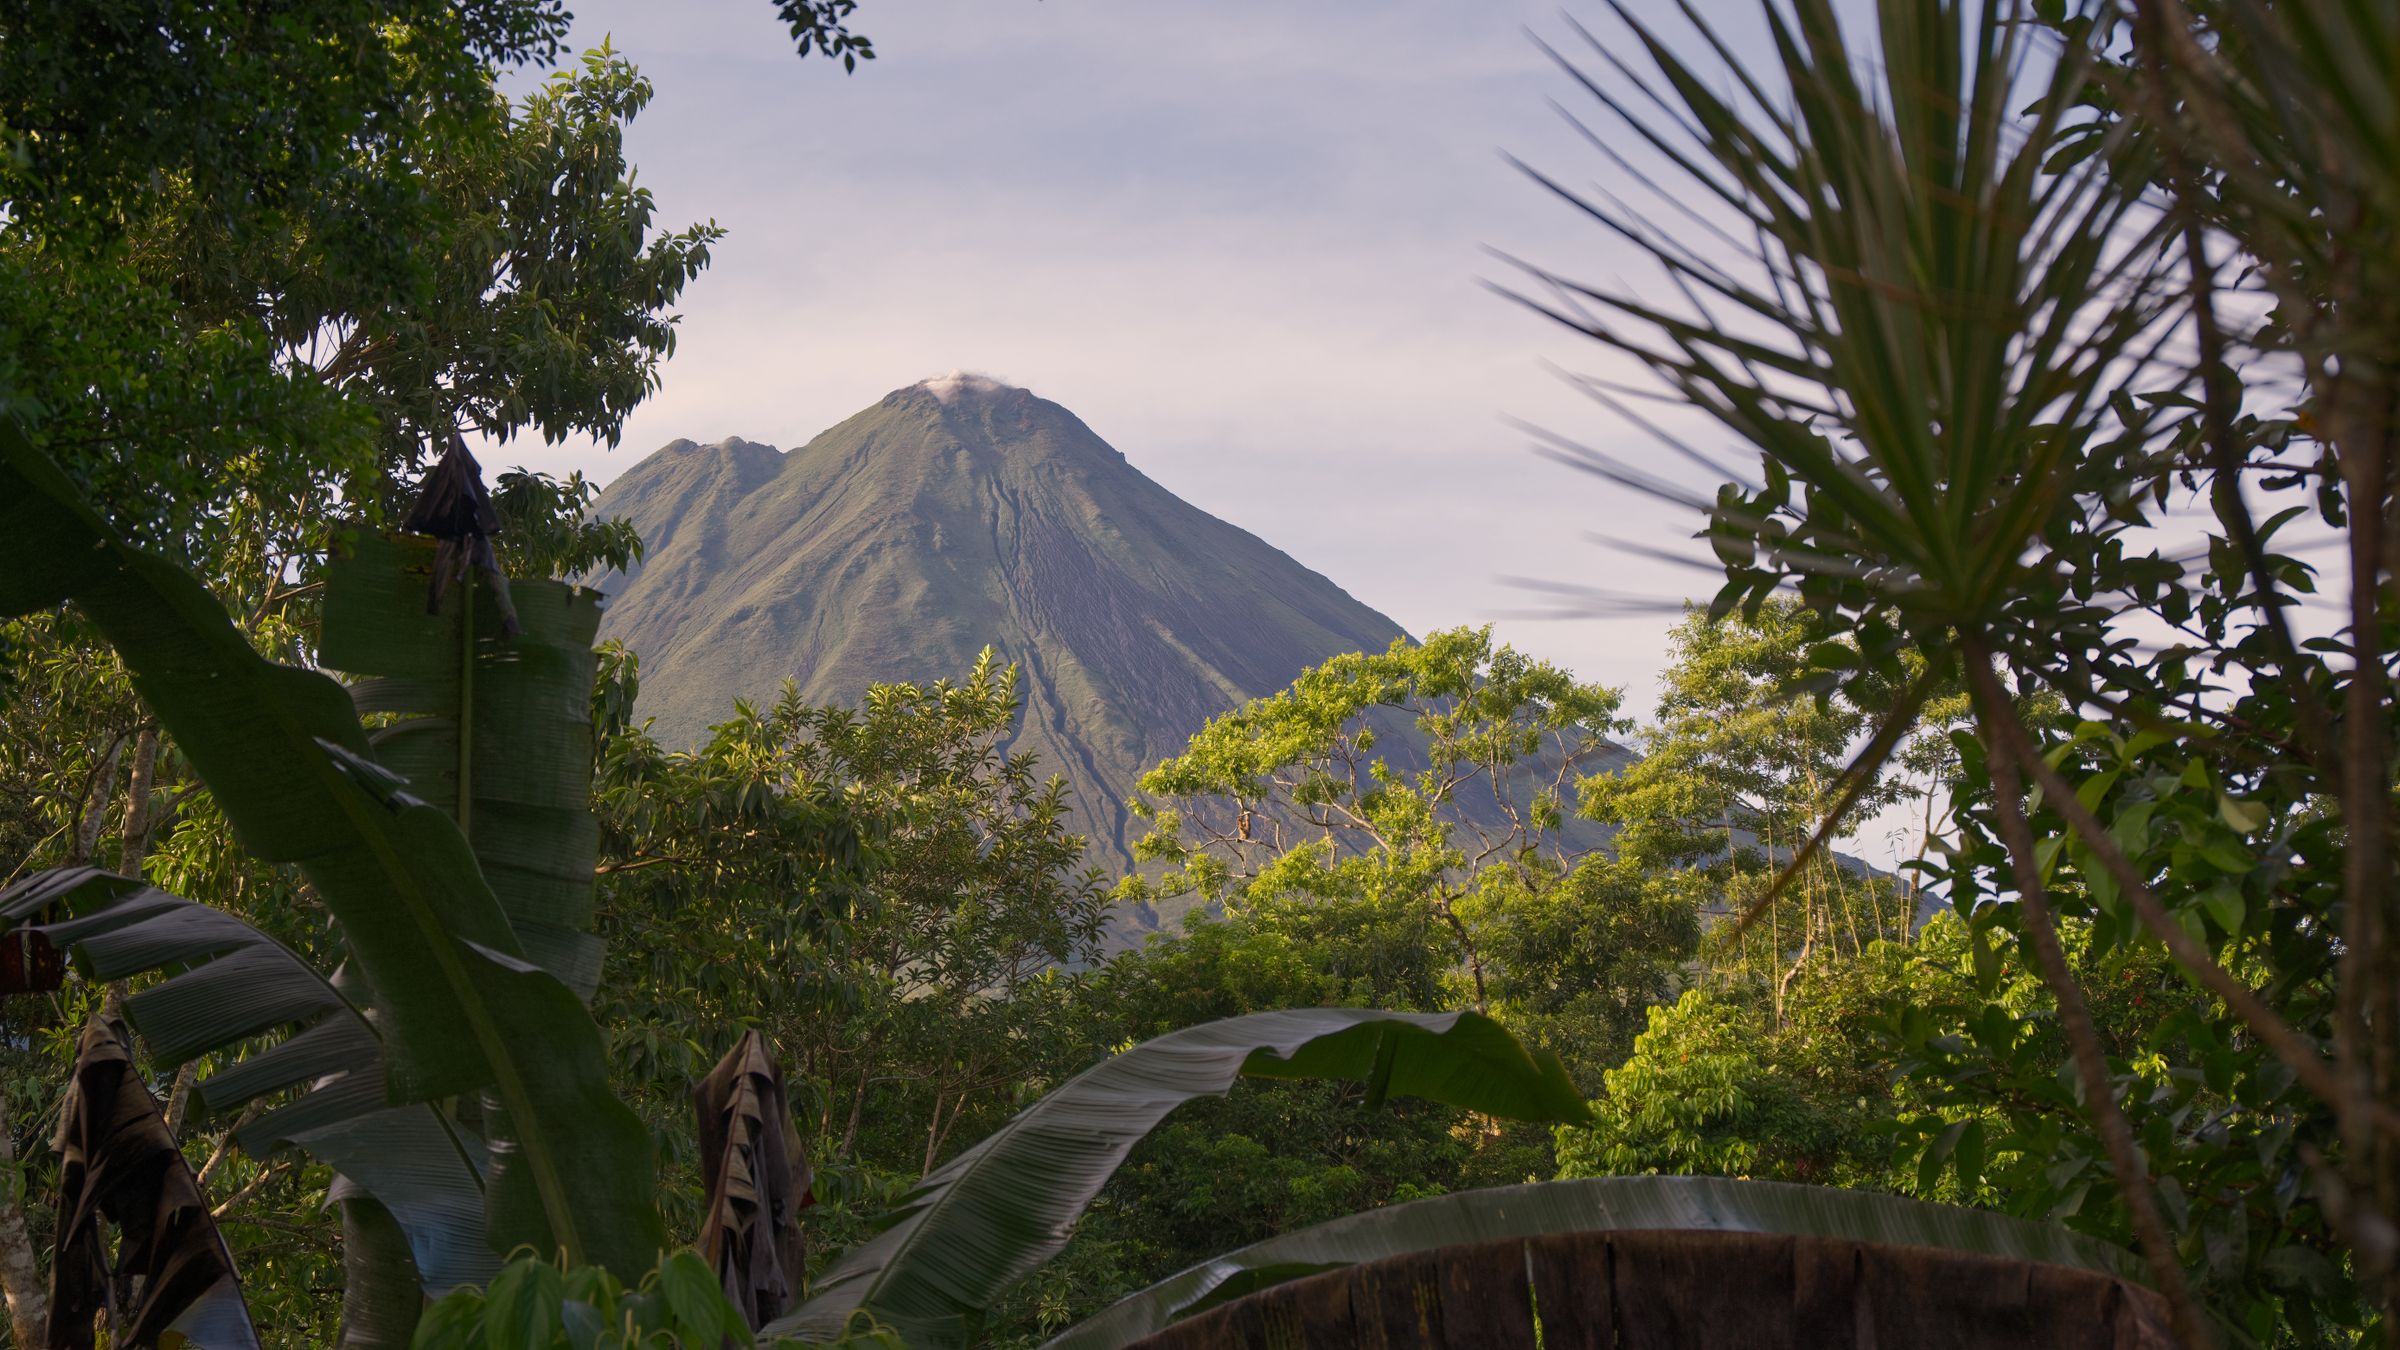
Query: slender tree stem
{"points": [[2075, 1015], [2361, 397], [179, 1096], [133, 843], [94, 806], [224, 1145], [20, 1269]]}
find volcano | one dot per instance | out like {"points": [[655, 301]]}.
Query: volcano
{"points": [[957, 513]]}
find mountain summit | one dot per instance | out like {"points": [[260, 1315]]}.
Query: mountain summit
{"points": [[956, 513]]}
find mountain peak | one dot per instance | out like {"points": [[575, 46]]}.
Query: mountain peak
{"points": [[958, 512], [961, 383]]}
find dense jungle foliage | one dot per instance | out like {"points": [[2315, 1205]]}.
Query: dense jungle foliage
{"points": [[2053, 343]]}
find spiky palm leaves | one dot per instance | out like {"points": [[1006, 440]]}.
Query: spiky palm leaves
{"points": [[1924, 297]]}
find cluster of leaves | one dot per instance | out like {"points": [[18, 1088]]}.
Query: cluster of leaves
{"points": [[2013, 297], [1739, 769], [532, 1304], [895, 901], [1376, 835], [1416, 775], [2227, 1126]]}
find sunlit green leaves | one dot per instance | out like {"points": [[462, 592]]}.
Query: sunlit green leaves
{"points": [[978, 1224]]}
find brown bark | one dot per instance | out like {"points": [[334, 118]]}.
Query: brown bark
{"points": [[134, 841], [20, 1270], [94, 806], [1466, 944], [179, 1097]]}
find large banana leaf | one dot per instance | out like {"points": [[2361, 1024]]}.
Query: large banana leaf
{"points": [[231, 984], [459, 1006], [505, 717], [999, 1210], [1714, 1204]]}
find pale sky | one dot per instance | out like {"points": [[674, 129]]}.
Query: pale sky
{"points": [[1244, 241]]}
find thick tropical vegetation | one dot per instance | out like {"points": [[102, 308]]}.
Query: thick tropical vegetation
{"points": [[2016, 293], [2052, 343]]}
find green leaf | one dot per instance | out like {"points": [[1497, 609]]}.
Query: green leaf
{"points": [[281, 750], [231, 984], [1970, 1157], [525, 703], [2225, 904], [994, 1214], [1937, 1153], [2247, 817], [1702, 1204]]}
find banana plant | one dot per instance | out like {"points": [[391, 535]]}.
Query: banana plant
{"points": [[1593, 1205], [463, 1004], [228, 985], [118, 1161], [758, 1181], [485, 710], [994, 1214]]}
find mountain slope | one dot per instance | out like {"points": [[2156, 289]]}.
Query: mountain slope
{"points": [[954, 514]]}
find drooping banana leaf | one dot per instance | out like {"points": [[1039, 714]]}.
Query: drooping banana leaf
{"points": [[230, 984], [1601, 1204], [119, 1162], [383, 1292], [459, 1005], [495, 732], [758, 1179], [994, 1214]]}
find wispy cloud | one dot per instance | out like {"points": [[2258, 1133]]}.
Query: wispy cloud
{"points": [[1243, 240]]}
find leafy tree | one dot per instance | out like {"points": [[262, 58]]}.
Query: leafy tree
{"points": [[1726, 1082], [880, 889], [1298, 793], [1380, 834], [1741, 768], [969, 1231], [1577, 962], [1962, 272], [237, 359], [252, 266], [1270, 1156]]}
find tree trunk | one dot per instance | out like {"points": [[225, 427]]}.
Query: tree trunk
{"points": [[179, 1097], [933, 1132], [20, 1270], [134, 844], [1466, 944], [858, 1109], [95, 805]]}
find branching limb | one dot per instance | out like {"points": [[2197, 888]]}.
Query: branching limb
{"points": [[2075, 1015]]}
